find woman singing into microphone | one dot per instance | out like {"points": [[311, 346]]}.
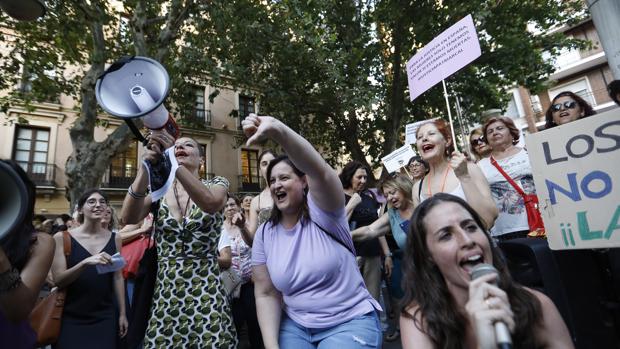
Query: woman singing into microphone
{"points": [[444, 308]]}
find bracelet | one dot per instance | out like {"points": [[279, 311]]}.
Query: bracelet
{"points": [[389, 254], [9, 280], [135, 195]]}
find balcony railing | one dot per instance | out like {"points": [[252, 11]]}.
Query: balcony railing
{"points": [[249, 183], [199, 117], [43, 175], [118, 177]]}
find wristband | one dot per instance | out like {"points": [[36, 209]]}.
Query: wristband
{"points": [[389, 254], [135, 195]]}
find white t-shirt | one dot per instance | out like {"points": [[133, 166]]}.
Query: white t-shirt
{"points": [[224, 240], [512, 215]]}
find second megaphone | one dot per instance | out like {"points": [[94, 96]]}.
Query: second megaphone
{"points": [[136, 87]]}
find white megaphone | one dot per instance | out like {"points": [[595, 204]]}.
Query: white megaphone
{"points": [[23, 10], [15, 202], [136, 87]]}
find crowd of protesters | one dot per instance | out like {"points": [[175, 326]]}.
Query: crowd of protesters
{"points": [[301, 264]]}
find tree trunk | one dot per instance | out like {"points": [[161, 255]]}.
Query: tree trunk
{"points": [[396, 95]]}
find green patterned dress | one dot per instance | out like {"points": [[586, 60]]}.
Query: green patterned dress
{"points": [[190, 308]]}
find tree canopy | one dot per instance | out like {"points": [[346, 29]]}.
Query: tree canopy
{"points": [[332, 70]]}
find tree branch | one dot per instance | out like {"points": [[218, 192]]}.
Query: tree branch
{"points": [[138, 23], [176, 16]]}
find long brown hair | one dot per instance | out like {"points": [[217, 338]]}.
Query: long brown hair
{"points": [[276, 214], [425, 287]]}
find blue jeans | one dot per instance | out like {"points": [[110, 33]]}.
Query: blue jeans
{"points": [[361, 332]]}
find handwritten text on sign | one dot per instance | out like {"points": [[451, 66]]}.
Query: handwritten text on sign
{"points": [[576, 170], [398, 158], [443, 56]]}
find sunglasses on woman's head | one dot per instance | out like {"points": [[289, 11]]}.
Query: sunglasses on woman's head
{"points": [[477, 141], [567, 105]]}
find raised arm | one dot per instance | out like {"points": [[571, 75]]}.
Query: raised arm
{"points": [[17, 303], [355, 200], [252, 222], [380, 227], [210, 199], [137, 203], [323, 182], [477, 191]]}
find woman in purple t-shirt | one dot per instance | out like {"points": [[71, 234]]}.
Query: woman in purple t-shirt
{"points": [[309, 291]]}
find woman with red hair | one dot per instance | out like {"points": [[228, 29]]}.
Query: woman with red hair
{"points": [[450, 172]]}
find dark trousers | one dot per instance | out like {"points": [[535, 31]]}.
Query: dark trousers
{"points": [[244, 311]]}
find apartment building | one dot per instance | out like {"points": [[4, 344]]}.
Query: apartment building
{"points": [[584, 72], [38, 139]]}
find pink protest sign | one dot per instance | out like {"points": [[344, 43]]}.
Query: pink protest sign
{"points": [[443, 56]]}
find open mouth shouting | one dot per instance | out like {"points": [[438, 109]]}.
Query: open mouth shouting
{"points": [[469, 261], [427, 147], [180, 154], [280, 195]]}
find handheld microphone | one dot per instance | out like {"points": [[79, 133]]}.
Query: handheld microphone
{"points": [[502, 334]]}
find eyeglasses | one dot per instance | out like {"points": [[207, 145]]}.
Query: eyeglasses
{"points": [[416, 164], [567, 105], [93, 202], [477, 141]]}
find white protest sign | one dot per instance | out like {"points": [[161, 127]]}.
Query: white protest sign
{"points": [[443, 56], [576, 171], [398, 158], [412, 129]]}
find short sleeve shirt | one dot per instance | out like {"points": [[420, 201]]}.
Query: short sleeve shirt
{"points": [[318, 277]]}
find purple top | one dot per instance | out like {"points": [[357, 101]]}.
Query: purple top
{"points": [[16, 336], [317, 276]]}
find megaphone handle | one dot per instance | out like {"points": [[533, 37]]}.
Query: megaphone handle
{"points": [[136, 132]]}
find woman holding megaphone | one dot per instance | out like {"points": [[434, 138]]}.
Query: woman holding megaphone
{"points": [[25, 259], [190, 308]]}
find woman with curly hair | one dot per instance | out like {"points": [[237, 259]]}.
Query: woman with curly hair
{"points": [[444, 308], [567, 107]]}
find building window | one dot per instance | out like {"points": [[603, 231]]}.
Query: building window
{"points": [[580, 87], [246, 106], [30, 151], [203, 165], [123, 167], [249, 170], [199, 104]]}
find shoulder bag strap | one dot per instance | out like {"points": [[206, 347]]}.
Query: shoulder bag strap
{"points": [[336, 239], [508, 178], [66, 244]]}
